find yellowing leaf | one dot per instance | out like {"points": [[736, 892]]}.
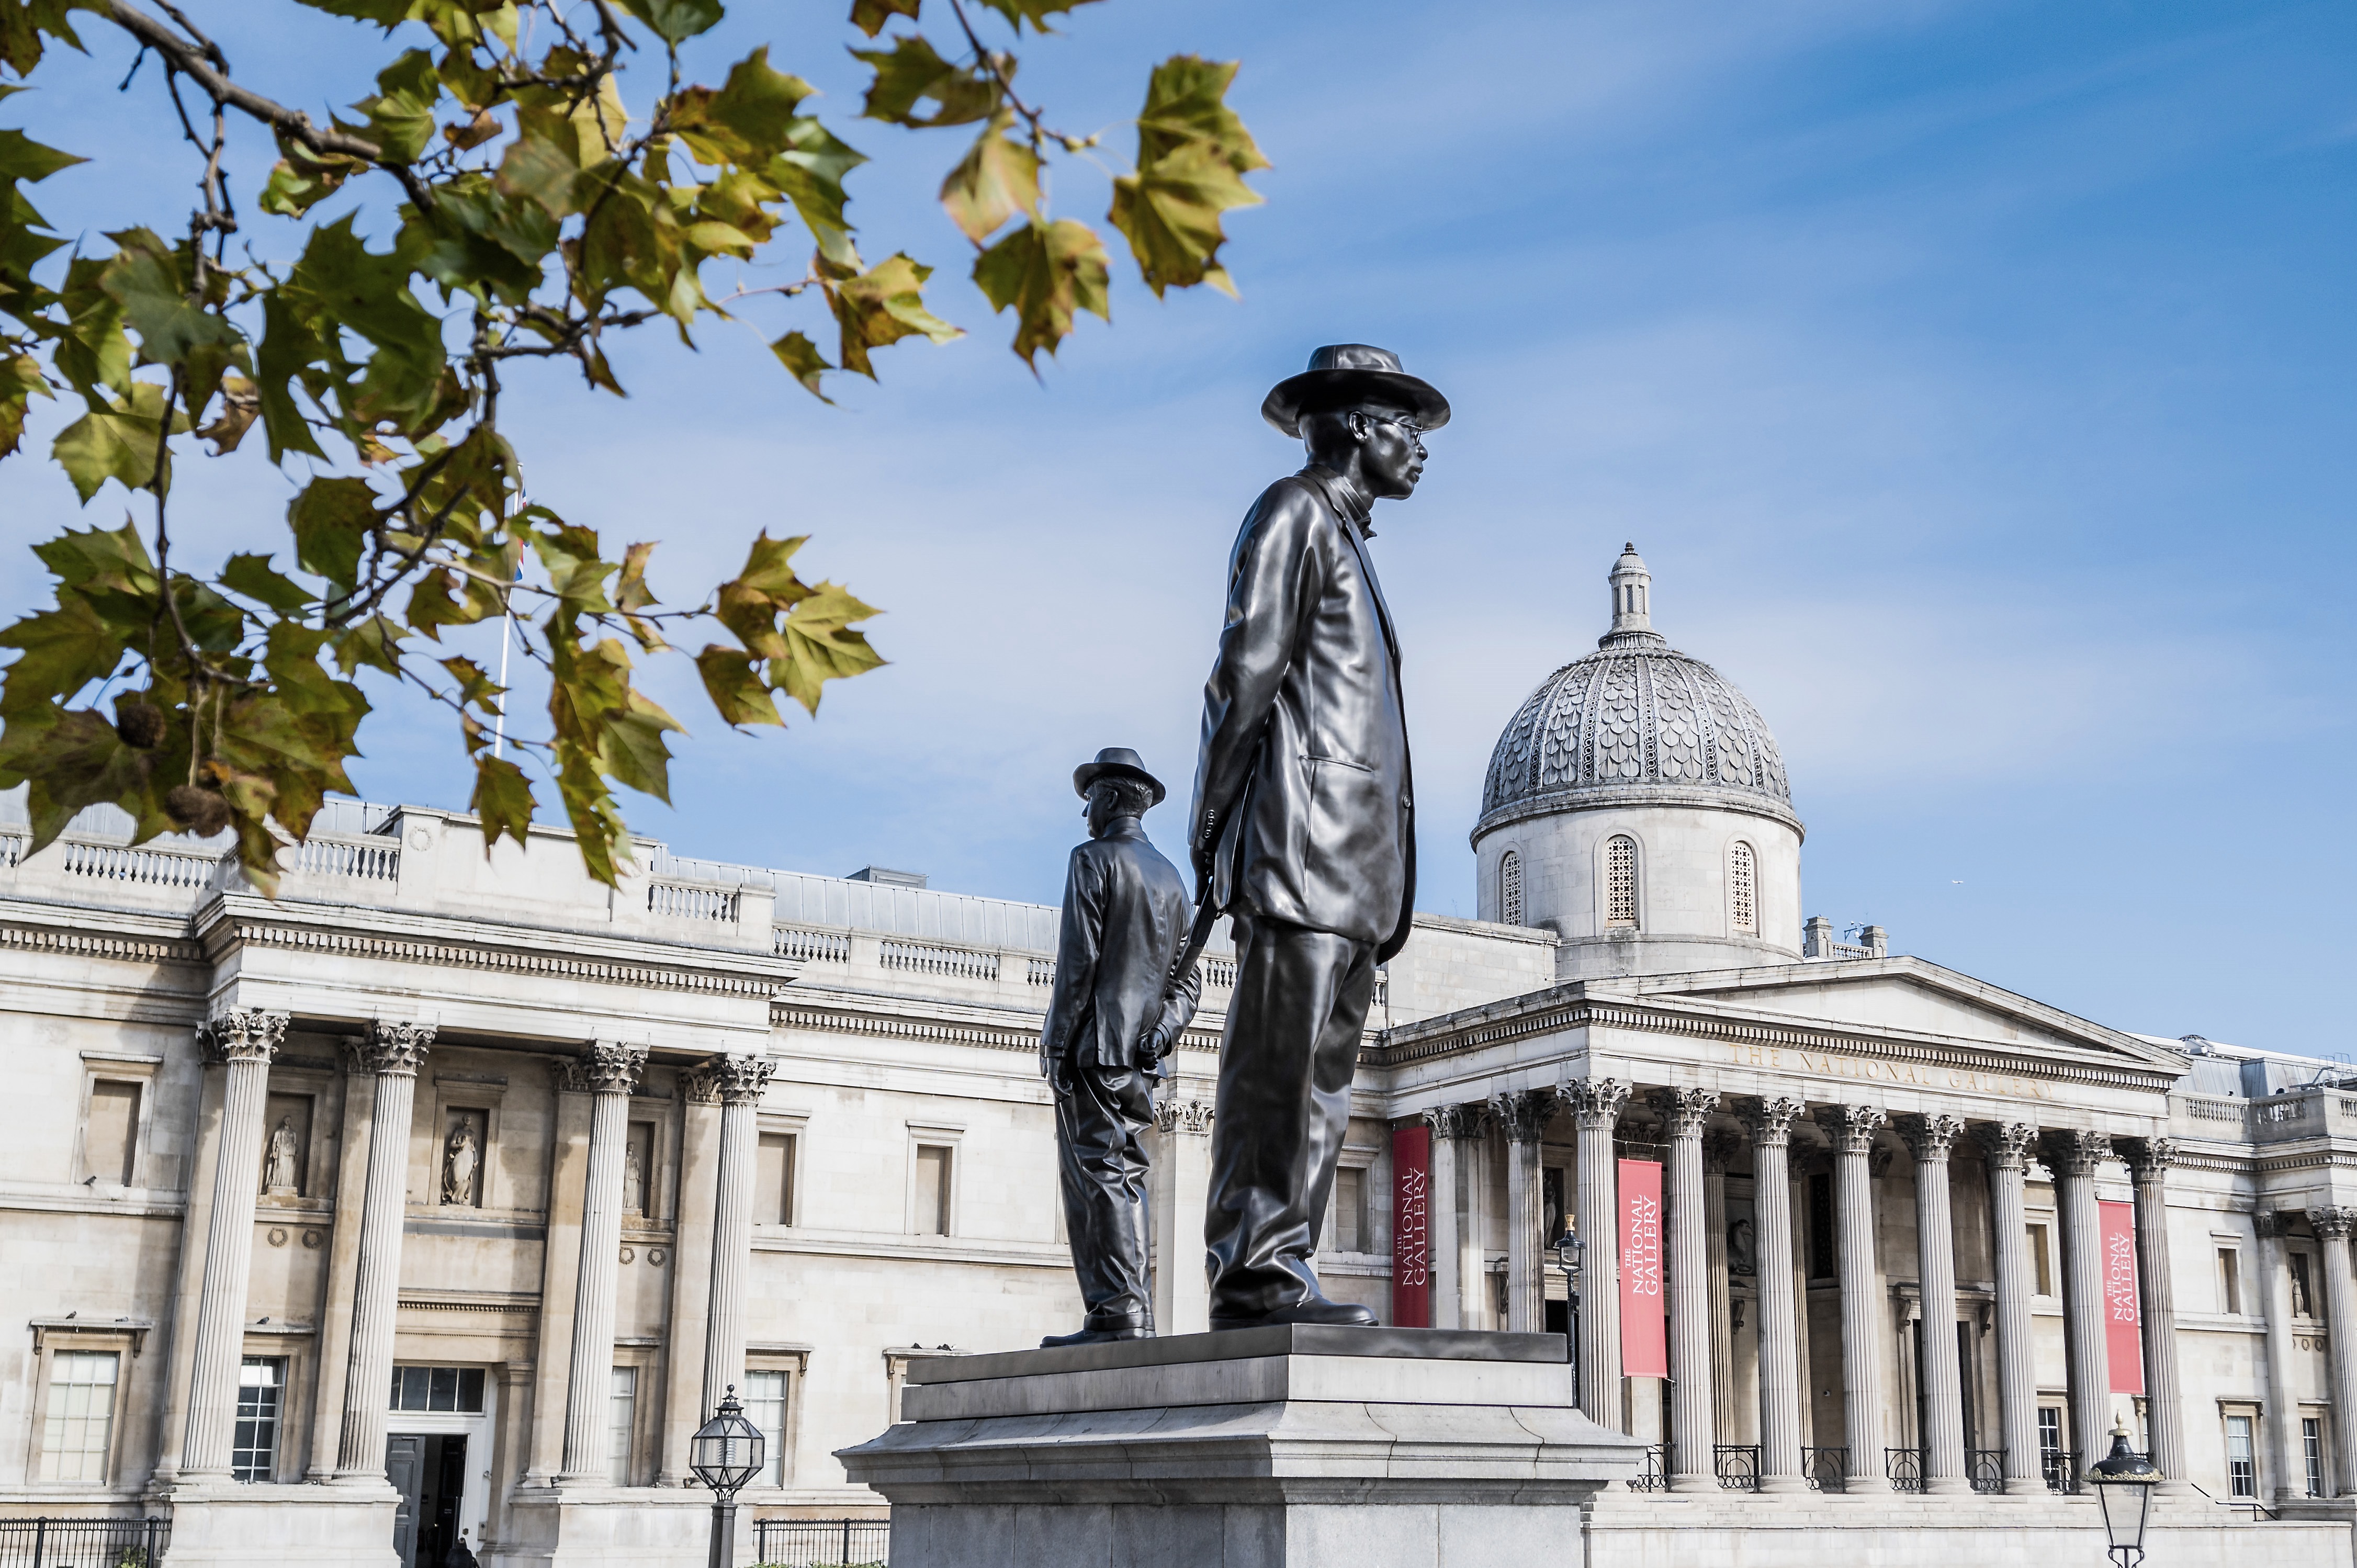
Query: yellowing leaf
{"points": [[997, 177], [1046, 272], [735, 687], [1192, 152], [869, 15], [911, 72], [117, 442], [502, 800], [676, 21], [881, 306], [330, 517], [800, 355], [1035, 12]]}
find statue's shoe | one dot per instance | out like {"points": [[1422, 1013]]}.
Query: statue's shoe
{"points": [[1094, 1337], [1317, 1310]]}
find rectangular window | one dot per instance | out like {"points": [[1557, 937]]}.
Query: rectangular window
{"points": [[2303, 1298], [2229, 1282], [111, 1136], [624, 1410], [765, 1407], [455, 1388], [2311, 1450], [261, 1387], [2242, 1465], [78, 1433], [773, 1180], [1350, 1209], [1820, 1225], [2041, 1264], [933, 1190], [2051, 1462]]}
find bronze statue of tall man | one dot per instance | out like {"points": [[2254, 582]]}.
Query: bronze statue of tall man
{"points": [[1304, 825]]}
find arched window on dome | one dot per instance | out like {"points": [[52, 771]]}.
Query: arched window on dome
{"points": [[1620, 881], [1743, 890], [1509, 889]]}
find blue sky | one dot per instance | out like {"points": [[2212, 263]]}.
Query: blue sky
{"points": [[1974, 377]]}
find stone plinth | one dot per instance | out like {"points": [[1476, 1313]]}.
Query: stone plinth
{"points": [[1288, 1447], [238, 1525]]}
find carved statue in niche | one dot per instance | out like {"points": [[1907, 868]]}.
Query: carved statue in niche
{"points": [[462, 1156], [281, 1176], [634, 1179]]}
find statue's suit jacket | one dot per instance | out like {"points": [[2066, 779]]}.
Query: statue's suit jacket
{"points": [[1125, 917], [1303, 797]]}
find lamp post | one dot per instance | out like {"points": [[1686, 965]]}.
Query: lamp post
{"points": [[1572, 1253], [724, 1454], [2124, 1482]]}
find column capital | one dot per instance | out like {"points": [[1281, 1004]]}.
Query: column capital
{"points": [[2332, 1223], [1718, 1151], [1852, 1127], [2076, 1153], [241, 1034], [1685, 1110], [1454, 1121], [2271, 1227], [1523, 1115], [389, 1048], [1596, 1102], [735, 1078], [2007, 1145], [604, 1068], [1192, 1117], [1770, 1119], [2148, 1158], [1931, 1138]]}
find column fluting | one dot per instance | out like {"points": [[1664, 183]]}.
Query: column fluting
{"points": [[1447, 1287], [2074, 1157], [1523, 1116], [2006, 1146], [1852, 1129], [243, 1041], [1693, 1462], [1930, 1139], [2148, 1163], [1779, 1365], [1595, 1105], [607, 1072], [2281, 1420], [737, 1082], [391, 1053], [2333, 1226]]}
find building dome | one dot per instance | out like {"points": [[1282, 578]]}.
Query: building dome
{"points": [[1634, 720]]}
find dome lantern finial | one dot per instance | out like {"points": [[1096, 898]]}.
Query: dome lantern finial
{"points": [[1633, 602]]}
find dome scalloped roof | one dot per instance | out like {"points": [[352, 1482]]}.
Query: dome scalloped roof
{"points": [[1634, 716]]}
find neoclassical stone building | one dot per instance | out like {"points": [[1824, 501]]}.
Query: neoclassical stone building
{"points": [[444, 1194]]}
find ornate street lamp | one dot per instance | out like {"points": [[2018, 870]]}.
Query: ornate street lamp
{"points": [[1571, 1253], [724, 1454], [2124, 1482]]}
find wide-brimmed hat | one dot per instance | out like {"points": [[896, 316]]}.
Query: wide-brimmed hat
{"points": [[1343, 374], [1115, 762]]}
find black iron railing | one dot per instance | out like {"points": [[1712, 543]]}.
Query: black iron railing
{"points": [[1986, 1468], [1738, 1465], [823, 1542], [1905, 1468], [83, 1543], [2056, 1465], [1825, 1470], [1654, 1476]]}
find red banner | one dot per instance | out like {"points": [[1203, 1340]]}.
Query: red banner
{"points": [[1644, 1325], [2122, 1339], [1412, 1227]]}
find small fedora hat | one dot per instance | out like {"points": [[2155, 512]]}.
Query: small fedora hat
{"points": [[1115, 762], [1343, 373]]}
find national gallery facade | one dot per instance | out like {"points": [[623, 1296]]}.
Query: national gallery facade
{"points": [[440, 1196]]}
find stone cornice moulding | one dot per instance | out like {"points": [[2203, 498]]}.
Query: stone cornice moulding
{"points": [[1575, 800], [912, 1022], [79, 941]]}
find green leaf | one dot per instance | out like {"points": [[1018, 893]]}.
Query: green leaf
{"points": [[103, 562], [911, 72], [59, 651], [676, 21], [769, 569], [736, 687], [24, 22], [302, 180], [632, 750], [1186, 104], [820, 647], [21, 380], [253, 577], [800, 355], [810, 171], [998, 177], [1035, 12], [502, 800], [385, 14], [756, 105], [331, 517], [400, 117], [288, 348], [145, 277], [117, 442], [1192, 152], [881, 306], [1046, 272], [542, 169], [869, 15], [21, 157]]}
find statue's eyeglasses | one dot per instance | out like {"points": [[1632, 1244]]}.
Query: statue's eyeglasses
{"points": [[1401, 420]]}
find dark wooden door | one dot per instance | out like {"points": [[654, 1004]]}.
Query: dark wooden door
{"points": [[441, 1513], [404, 1466]]}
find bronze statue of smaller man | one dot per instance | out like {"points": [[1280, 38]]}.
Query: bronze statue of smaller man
{"points": [[1113, 1016]]}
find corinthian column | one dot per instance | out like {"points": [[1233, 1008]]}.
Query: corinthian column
{"points": [[1176, 1183], [2148, 1163], [2333, 1226], [392, 1054], [242, 1042], [1929, 1138], [1694, 1460], [1779, 1365], [607, 1072], [1595, 1105], [1852, 1129], [1448, 1293], [2074, 1157], [2008, 1145], [738, 1081], [1523, 1118]]}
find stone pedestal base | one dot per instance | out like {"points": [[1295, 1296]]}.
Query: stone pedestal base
{"points": [[333, 1527], [645, 1526], [1288, 1447]]}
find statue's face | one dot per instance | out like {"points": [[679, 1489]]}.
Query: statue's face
{"points": [[1103, 807], [1391, 447]]}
